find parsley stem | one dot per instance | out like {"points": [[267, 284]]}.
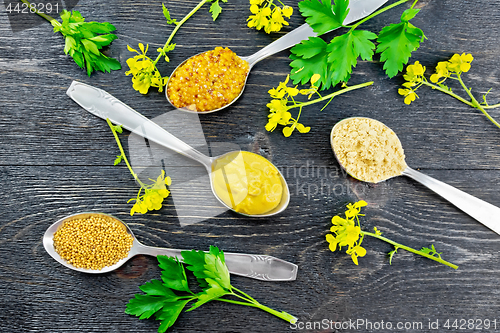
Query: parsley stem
{"points": [[397, 245], [283, 315], [178, 25], [123, 154], [338, 92], [45, 16], [380, 11]]}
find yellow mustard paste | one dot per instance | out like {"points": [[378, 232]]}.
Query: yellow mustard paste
{"points": [[247, 182], [208, 81]]}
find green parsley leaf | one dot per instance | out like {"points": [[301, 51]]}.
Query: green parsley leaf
{"points": [[156, 288], [323, 16], [173, 273], [169, 314], [309, 58], [343, 52], [397, 42], [166, 13], [144, 306], [209, 265]]}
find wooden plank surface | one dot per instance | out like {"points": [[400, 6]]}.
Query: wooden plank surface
{"points": [[56, 159]]}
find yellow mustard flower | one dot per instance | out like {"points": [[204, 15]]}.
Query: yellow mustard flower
{"points": [[153, 196], [441, 71], [144, 71], [355, 252], [410, 95], [268, 15], [460, 63]]}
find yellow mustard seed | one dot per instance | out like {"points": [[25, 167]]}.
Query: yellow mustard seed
{"points": [[208, 81], [94, 242]]}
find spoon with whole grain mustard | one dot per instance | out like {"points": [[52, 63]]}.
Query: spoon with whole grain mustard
{"points": [[260, 267], [371, 152], [244, 182], [191, 93]]}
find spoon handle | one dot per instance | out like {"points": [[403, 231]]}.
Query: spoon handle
{"points": [[288, 40], [480, 210], [260, 267], [358, 9], [104, 105]]}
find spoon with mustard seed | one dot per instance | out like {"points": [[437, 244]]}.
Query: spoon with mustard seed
{"points": [[204, 83], [65, 246], [371, 152], [243, 182]]}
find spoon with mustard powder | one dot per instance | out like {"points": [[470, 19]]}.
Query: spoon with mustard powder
{"points": [[244, 182], [371, 152], [213, 80], [96, 243]]}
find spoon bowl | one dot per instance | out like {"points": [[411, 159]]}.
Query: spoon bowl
{"points": [[358, 9], [260, 267], [105, 106], [482, 211]]}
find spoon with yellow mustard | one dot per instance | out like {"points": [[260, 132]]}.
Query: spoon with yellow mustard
{"points": [[95, 243], [213, 80], [371, 152], [244, 182]]}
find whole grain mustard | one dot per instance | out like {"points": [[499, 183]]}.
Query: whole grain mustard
{"points": [[247, 182], [368, 150], [92, 243], [208, 81]]}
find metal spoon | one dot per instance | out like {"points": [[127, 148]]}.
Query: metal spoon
{"points": [[484, 212], [260, 267], [358, 9], [102, 104]]}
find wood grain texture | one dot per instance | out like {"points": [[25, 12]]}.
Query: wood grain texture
{"points": [[56, 159]]}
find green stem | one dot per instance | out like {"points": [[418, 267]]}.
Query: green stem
{"points": [[123, 152], [45, 16], [433, 86], [404, 247], [179, 24], [339, 92], [475, 103], [380, 11], [245, 294], [283, 315]]}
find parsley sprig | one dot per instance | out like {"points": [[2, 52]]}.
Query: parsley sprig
{"points": [[334, 61], [451, 69], [166, 299], [347, 232], [84, 40]]}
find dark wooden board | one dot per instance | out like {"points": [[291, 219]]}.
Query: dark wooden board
{"points": [[56, 159]]}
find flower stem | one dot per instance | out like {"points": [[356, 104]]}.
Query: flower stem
{"points": [[123, 153], [449, 92], [179, 24], [475, 103], [404, 247], [45, 16], [283, 315], [334, 94]]}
